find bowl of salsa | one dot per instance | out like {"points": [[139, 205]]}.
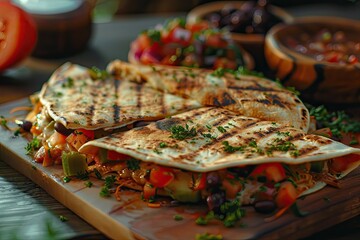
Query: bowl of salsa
{"points": [[320, 56]]}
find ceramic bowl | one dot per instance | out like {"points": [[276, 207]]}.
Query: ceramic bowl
{"points": [[253, 43], [318, 79]]}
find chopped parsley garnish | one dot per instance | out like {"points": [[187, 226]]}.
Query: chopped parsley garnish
{"points": [[337, 121], [96, 73], [179, 132], [3, 121], [283, 146], [88, 184], [162, 145], [104, 192], [154, 35], [157, 151], [290, 89], [219, 72], [109, 181], [69, 83], [230, 149], [229, 213], [66, 179], [221, 129], [32, 146], [244, 71], [63, 218], [178, 217], [208, 236], [133, 164]]}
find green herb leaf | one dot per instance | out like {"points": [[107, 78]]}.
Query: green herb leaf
{"points": [[63, 218], [178, 217], [179, 132], [208, 236], [133, 164], [89, 184], [32, 146]]}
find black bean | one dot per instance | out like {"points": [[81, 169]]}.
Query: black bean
{"points": [[26, 125], [62, 129], [266, 206]]}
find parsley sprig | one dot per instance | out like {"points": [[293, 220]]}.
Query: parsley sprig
{"points": [[181, 133], [32, 146]]}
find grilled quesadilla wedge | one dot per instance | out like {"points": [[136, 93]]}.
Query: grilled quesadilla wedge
{"points": [[212, 154], [244, 94], [75, 107]]}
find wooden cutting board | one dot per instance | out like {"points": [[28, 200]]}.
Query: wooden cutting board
{"points": [[131, 218]]}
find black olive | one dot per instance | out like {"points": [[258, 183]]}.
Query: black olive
{"points": [[62, 129], [26, 125], [265, 206], [212, 180]]}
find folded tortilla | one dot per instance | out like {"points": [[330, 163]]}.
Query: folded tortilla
{"points": [[222, 140], [246, 95], [73, 98]]}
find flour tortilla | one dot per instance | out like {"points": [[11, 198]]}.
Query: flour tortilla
{"points": [[74, 99], [246, 95]]}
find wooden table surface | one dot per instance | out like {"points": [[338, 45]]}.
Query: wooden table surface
{"points": [[27, 211]]}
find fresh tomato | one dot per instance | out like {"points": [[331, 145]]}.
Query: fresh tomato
{"points": [[340, 164], [216, 41], [286, 195], [272, 171], [149, 191], [113, 155], [80, 137], [57, 139], [231, 187], [18, 34], [178, 35], [161, 176], [199, 26]]}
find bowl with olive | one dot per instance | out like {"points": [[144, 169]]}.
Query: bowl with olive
{"points": [[248, 22]]}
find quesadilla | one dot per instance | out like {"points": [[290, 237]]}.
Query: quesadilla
{"points": [[77, 105], [246, 95], [212, 154]]}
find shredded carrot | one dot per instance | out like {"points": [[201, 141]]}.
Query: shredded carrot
{"points": [[117, 191], [278, 214], [154, 205], [20, 108]]}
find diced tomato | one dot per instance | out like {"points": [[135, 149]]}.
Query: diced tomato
{"points": [[224, 63], [51, 156], [143, 42], [216, 41], [286, 195], [199, 26], [88, 133], [333, 57], [80, 137], [272, 171], [200, 181], [340, 164], [352, 59], [177, 35], [149, 191], [231, 187], [161, 176], [57, 139], [35, 130], [113, 155]]}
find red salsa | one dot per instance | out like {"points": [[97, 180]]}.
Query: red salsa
{"points": [[328, 46]]}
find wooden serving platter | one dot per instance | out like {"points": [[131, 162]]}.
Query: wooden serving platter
{"points": [[131, 218]]}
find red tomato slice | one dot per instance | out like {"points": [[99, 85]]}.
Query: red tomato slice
{"points": [[161, 176], [286, 195], [272, 171], [113, 155], [18, 34], [88, 133], [232, 187]]}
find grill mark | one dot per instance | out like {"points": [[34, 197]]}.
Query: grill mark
{"points": [[116, 108], [304, 151], [138, 89], [258, 87]]}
